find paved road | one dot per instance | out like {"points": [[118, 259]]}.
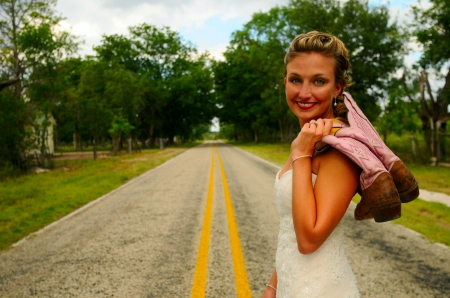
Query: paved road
{"points": [[143, 239]]}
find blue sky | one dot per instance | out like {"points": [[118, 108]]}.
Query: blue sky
{"points": [[208, 24]]}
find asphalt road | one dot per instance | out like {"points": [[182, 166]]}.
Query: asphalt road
{"points": [[142, 240]]}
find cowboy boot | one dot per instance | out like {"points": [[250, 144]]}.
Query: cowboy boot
{"points": [[379, 196], [362, 130]]}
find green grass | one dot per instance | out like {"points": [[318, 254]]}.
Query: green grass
{"points": [[275, 153], [432, 178], [90, 148], [30, 202], [427, 218]]}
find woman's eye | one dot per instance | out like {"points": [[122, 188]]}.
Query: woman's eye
{"points": [[320, 82], [295, 81]]}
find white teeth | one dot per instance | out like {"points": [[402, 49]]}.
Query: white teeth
{"points": [[304, 104]]}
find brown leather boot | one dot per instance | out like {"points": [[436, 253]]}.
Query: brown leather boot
{"points": [[362, 130], [380, 198]]}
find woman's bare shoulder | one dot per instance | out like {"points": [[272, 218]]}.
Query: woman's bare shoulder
{"points": [[334, 161]]}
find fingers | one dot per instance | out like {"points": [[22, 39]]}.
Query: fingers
{"points": [[328, 126], [318, 124], [321, 127]]}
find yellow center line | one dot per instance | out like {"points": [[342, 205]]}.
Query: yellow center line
{"points": [[240, 273], [199, 285]]}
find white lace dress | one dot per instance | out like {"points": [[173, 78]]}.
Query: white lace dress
{"points": [[324, 273]]}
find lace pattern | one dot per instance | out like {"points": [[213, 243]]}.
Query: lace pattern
{"points": [[324, 273]]}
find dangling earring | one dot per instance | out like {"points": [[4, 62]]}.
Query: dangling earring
{"points": [[334, 100]]}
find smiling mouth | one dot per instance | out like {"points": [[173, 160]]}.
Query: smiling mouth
{"points": [[304, 105]]}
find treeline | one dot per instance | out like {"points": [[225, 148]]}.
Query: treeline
{"points": [[146, 85], [150, 84], [397, 98], [250, 81]]}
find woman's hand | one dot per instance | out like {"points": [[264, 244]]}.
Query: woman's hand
{"points": [[269, 293], [270, 290], [311, 132]]}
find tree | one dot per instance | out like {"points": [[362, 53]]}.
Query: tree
{"points": [[400, 113], [433, 31], [14, 134], [27, 40], [44, 46], [174, 82], [95, 112], [250, 82], [15, 14], [252, 76]]}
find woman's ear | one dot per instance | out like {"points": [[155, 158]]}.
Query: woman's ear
{"points": [[339, 89], [285, 80]]}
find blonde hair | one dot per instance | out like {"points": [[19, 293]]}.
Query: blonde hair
{"points": [[330, 46]]}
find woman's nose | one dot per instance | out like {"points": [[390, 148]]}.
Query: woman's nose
{"points": [[305, 91]]}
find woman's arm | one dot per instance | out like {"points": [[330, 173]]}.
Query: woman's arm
{"points": [[317, 211], [270, 292]]}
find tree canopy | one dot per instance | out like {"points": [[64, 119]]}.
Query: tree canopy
{"points": [[151, 84], [250, 81]]}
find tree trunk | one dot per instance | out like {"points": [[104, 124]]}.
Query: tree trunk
{"points": [[44, 134], [136, 145], [151, 135], [94, 150], [413, 145], [118, 142], [42, 147], [77, 139]]}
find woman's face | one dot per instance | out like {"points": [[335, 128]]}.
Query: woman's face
{"points": [[310, 86]]}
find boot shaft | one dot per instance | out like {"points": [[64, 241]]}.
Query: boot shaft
{"points": [[362, 130], [359, 153]]}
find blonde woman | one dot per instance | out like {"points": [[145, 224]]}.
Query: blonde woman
{"points": [[313, 191]]}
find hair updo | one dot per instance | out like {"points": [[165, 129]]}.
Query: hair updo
{"points": [[330, 46]]}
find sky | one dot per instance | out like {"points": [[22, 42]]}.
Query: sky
{"points": [[206, 23]]}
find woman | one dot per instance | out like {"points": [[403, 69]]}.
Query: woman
{"points": [[313, 191]]}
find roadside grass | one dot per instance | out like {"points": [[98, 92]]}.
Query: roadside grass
{"points": [[90, 148], [30, 202], [432, 178], [427, 218]]}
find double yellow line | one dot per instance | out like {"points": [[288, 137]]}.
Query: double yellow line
{"points": [[201, 268]]}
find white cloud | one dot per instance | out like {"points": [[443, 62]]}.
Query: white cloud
{"points": [[208, 24], [92, 19]]}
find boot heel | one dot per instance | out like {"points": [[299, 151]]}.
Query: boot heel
{"points": [[407, 185], [410, 194], [386, 212]]}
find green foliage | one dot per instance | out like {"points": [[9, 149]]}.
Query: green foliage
{"points": [[31, 46], [432, 28], [163, 81], [400, 113], [13, 136], [250, 82], [121, 126]]}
